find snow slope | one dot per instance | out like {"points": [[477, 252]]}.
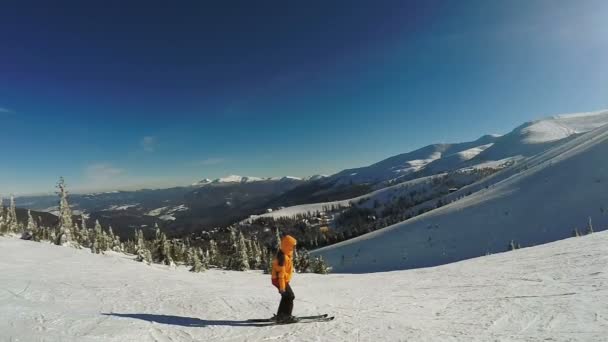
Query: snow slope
{"points": [[526, 140], [408, 163], [240, 179], [553, 292], [537, 136], [540, 199], [383, 195]]}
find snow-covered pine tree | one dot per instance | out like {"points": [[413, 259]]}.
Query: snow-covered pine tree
{"points": [[181, 252], [278, 239], [12, 224], [319, 266], [31, 231], [162, 248], [66, 226], [303, 261], [204, 257], [143, 254], [3, 225], [97, 238], [115, 244], [195, 261], [231, 251], [589, 226], [255, 257], [213, 254], [268, 262], [84, 232], [167, 260], [240, 259]]}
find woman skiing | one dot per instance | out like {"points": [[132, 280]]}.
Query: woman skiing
{"points": [[282, 269]]}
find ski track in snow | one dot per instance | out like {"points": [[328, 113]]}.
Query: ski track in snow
{"points": [[555, 292]]}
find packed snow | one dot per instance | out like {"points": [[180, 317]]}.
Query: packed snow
{"points": [[553, 292], [540, 199]]}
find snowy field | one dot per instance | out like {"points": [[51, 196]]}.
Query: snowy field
{"points": [[553, 292]]}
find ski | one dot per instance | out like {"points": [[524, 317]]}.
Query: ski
{"points": [[312, 317], [273, 319], [309, 320]]}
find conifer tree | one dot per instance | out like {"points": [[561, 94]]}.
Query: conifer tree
{"points": [[319, 266], [167, 258], [95, 236], [66, 226], [11, 217], [195, 260], [213, 254], [204, 257], [239, 261], [142, 252], [31, 231], [3, 225], [589, 226], [278, 239], [84, 232], [255, 257]]}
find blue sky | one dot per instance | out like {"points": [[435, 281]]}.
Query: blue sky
{"points": [[115, 94]]}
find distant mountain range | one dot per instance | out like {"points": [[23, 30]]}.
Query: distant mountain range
{"points": [[209, 203]]}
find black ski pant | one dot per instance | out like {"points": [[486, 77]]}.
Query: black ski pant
{"points": [[286, 305]]}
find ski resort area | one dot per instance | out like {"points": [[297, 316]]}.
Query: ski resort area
{"points": [[553, 292], [325, 171]]}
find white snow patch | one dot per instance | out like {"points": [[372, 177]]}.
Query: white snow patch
{"points": [[554, 292], [121, 207], [165, 213]]}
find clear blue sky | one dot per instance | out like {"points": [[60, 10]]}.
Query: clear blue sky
{"points": [[131, 93]]}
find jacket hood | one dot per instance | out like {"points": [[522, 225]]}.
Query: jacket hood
{"points": [[288, 244]]}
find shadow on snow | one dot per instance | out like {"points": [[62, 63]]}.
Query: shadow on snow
{"points": [[186, 321]]}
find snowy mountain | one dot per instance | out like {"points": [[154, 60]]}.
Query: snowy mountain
{"points": [[178, 210], [408, 164], [540, 199], [526, 140], [240, 179], [537, 136], [554, 292]]}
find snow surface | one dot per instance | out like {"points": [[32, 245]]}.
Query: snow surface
{"points": [[166, 213], [526, 140], [537, 136], [240, 179], [382, 195], [121, 207], [554, 292], [540, 199]]}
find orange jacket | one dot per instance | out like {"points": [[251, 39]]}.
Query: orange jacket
{"points": [[282, 266]]}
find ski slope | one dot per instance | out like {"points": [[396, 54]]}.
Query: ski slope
{"points": [[551, 292], [541, 199], [383, 195]]}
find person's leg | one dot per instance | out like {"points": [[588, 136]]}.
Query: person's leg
{"points": [[289, 297], [286, 305]]}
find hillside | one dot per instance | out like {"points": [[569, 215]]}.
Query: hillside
{"points": [[551, 292], [526, 140], [541, 199]]}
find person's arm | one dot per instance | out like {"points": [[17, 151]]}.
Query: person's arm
{"points": [[281, 275]]}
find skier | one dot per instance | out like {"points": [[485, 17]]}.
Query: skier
{"points": [[282, 268]]}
